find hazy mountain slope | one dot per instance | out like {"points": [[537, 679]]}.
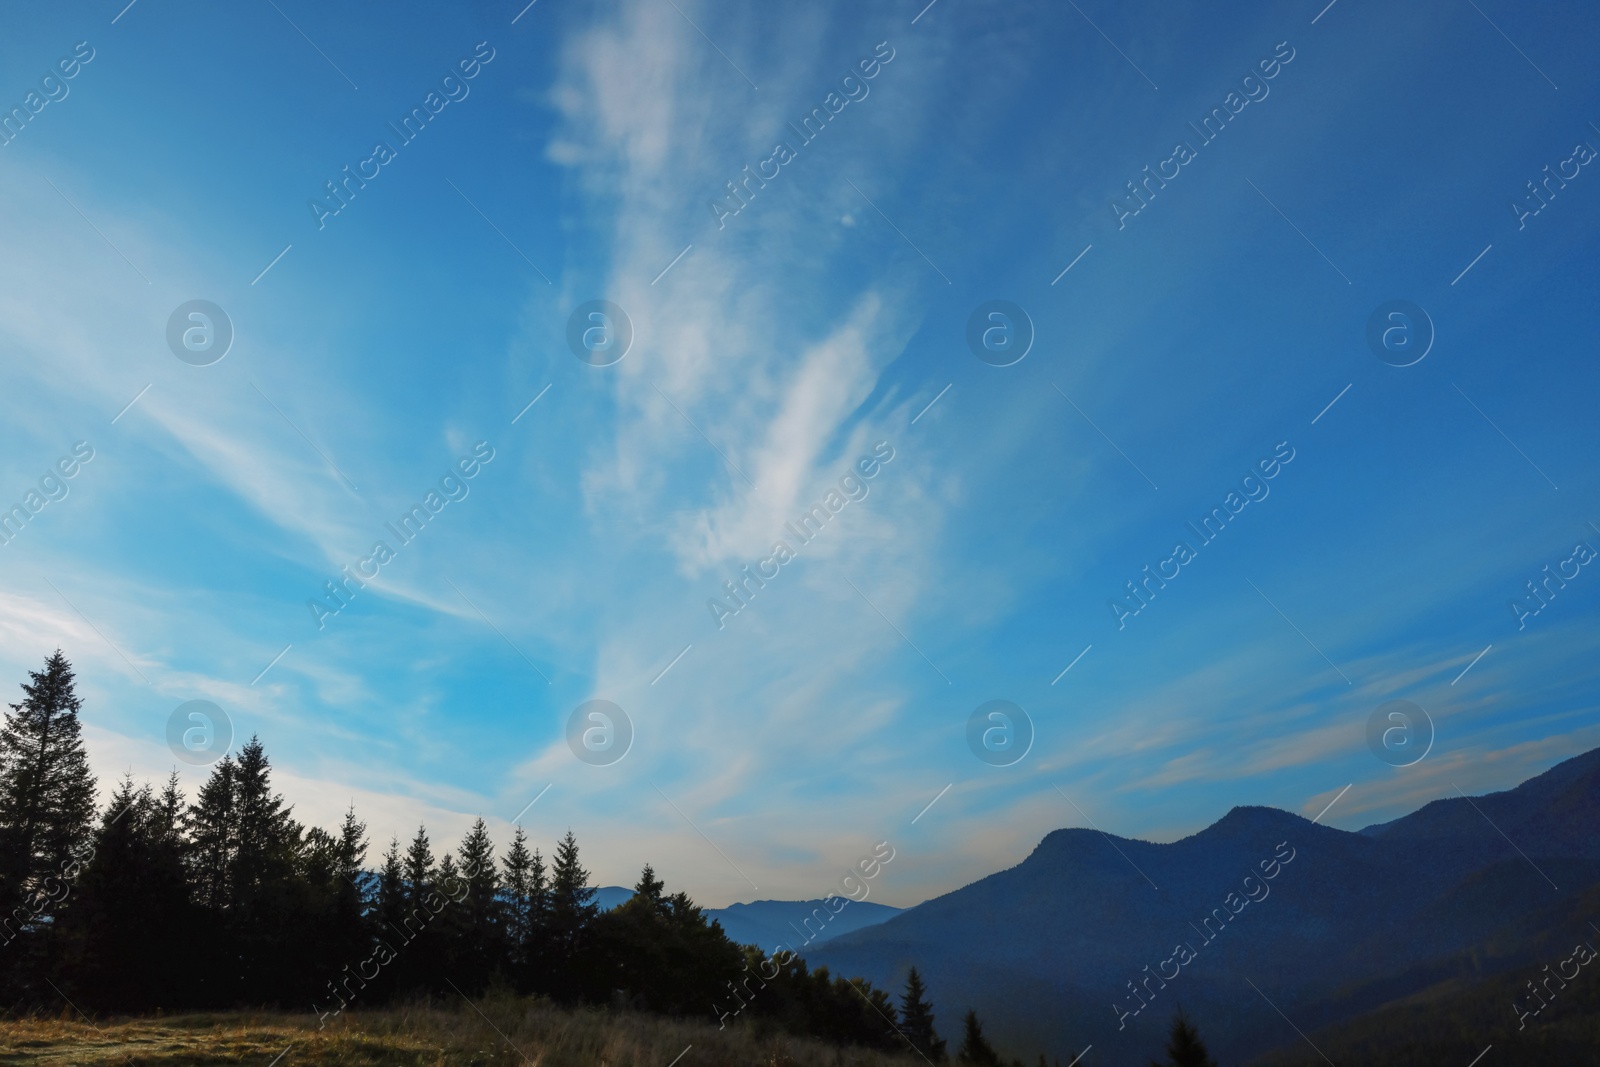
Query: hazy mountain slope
{"points": [[1473, 1001], [769, 923], [1043, 949]]}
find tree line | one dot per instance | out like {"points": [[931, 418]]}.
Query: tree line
{"points": [[162, 903]]}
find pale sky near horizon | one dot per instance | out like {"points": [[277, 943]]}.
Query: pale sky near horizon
{"points": [[1216, 330]]}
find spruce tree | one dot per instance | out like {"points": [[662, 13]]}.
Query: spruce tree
{"points": [[421, 946], [446, 946], [518, 881], [916, 1016], [352, 880], [975, 1048], [419, 870], [1184, 1047], [268, 838], [46, 790], [572, 911], [572, 904], [391, 895], [477, 912], [538, 900], [268, 908], [650, 887], [214, 836], [128, 924], [525, 914], [169, 811], [338, 887]]}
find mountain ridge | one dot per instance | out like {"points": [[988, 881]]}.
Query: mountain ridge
{"points": [[1048, 950]]}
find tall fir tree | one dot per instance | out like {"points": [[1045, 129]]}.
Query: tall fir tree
{"points": [[271, 910], [649, 889], [421, 945], [420, 871], [214, 836], [916, 1019], [572, 911], [483, 941], [527, 899], [128, 923], [47, 794], [389, 908], [353, 888], [445, 943], [517, 866], [169, 813], [268, 837], [1184, 1047], [975, 1048]]}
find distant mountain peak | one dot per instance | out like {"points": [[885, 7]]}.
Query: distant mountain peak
{"points": [[1255, 818]]}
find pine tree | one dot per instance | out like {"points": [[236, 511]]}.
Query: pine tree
{"points": [[571, 900], [482, 877], [572, 911], [214, 836], [422, 943], [268, 838], [391, 894], [1184, 1047], [128, 925], [352, 881], [419, 870], [538, 900], [343, 894], [525, 914], [478, 915], [650, 887], [916, 1016], [268, 910], [446, 947], [975, 1048], [46, 790], [169, 811], [518, 881]]}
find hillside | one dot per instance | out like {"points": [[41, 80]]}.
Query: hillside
{"points": [[1480, 996], [449, 1034], [1047, 951], [765, 923]]}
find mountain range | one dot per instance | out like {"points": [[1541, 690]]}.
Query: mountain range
{"points": [[767, 923], [1266, 927]]}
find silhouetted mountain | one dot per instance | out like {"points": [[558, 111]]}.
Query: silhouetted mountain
{"points": [[607, 897], [794, 923], [768, 923], [1478, 997], [1353, 920]]}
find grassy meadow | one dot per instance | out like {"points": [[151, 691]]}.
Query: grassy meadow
{"points": [[506, 1030]]}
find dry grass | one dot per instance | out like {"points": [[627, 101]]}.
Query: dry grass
{"points": [[497, 1031]]}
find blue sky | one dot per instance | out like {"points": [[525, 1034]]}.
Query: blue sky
{"points": [[981, 160]]}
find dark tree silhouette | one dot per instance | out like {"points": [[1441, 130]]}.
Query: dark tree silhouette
{"points": [[975, 1048], [916, 1019], [526, 901], [650, 887], [477, 920], [213, 834], [1184, 1047], [126, 929], [46, 793], [572, 910]]}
